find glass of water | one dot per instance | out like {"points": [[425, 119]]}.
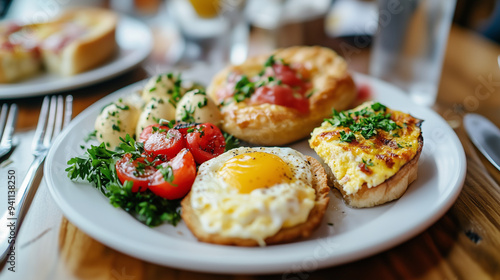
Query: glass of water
{"points": [[409, 46]]}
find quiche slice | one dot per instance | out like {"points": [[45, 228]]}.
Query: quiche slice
{"points": [[371, 151]]}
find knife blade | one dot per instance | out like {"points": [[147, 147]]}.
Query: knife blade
{"points": [[485, 135]]}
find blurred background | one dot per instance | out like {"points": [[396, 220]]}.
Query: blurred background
{"points": [[209, 34], [276, 23]]}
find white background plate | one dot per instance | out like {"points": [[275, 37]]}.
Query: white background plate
{"points": [[356, 233], [135, 43]]}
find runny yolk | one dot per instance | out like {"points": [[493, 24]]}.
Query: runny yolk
{"points": [[255, 170]]}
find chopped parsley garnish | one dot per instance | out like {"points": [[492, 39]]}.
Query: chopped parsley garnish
{"points": [[377, 107], [91, 136], [270, 61], [231, 141], [158, 130], [115, 127], [364, 121], [203, 103], [175, 92], [367, 163], [168, 173], [188, 114], [97, 166], [347, 137], [124, 107], [244, 88], [169, 123]]}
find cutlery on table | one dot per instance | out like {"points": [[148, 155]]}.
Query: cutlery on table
{"points": [[485, 135], [7, 125], [55, 114]]}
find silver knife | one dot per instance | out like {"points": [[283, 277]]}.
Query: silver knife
{"points": [[485, 135]]}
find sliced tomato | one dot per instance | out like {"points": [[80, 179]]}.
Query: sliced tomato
{"points": [[281, 95], [164, 142], [205, 141], [287, 75], [184, 127], [181, 176], [137, 171], [146, 132]]}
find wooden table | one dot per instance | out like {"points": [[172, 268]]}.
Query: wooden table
{"points": [[463, 244]]}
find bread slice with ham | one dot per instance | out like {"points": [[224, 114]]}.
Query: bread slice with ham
{"points": [[78, 41]]}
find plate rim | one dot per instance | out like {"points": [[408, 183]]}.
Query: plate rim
{"points": [[87, 78], [234, 266]]}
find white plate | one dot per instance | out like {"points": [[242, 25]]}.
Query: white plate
{"points": [[356, 233], [135, 42]]}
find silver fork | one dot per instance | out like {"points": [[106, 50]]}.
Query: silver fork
{"points": [[50, 123], [7, 125]]}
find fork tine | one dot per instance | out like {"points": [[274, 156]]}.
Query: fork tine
{"points": [[50, 122], [42, 119], [59, 116], [68, 113], [10, 125], [3, 117]]}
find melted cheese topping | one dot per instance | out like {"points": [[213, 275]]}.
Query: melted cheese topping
{"points": [[367, 161]]}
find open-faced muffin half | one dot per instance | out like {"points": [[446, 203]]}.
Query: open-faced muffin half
{"points": [[279, 98]]}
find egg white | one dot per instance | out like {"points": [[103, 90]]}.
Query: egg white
{"points": [[259, 214]]}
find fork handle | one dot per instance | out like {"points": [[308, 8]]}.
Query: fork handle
{"points": [[11, 224]]}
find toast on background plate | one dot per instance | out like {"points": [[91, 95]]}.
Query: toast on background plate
{"points": [[76, 41]]}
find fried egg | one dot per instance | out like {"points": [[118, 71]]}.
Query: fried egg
{"points": [[252, 193]]}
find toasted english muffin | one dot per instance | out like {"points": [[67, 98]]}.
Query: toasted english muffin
{"points": [[371, 152], [285, 234], [325, 71]]}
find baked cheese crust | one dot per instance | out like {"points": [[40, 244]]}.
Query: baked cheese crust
{"points": [[358, 164]]}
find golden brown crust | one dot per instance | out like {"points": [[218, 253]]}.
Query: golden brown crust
{"points": [[89, 51], [93, 51], [284, 235], [18, 66], [267, 124], [391, 189]]}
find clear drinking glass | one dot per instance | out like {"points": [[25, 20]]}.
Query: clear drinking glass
{"points": [[409, 46], [209, 27]]}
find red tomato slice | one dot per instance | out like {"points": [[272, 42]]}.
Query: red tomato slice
{"points": [[184, 127], [287, 75], [135, 171], [205, 142], [164, 142], [183, 168], [146, 132], [281, 95]]}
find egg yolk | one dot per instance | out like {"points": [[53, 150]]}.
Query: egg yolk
{"points": [[255, 170]]}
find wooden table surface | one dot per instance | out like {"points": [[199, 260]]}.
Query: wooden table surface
{"points": [[463, 244]]}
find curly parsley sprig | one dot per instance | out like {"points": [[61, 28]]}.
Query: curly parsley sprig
{"points": [[97, 166]]}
